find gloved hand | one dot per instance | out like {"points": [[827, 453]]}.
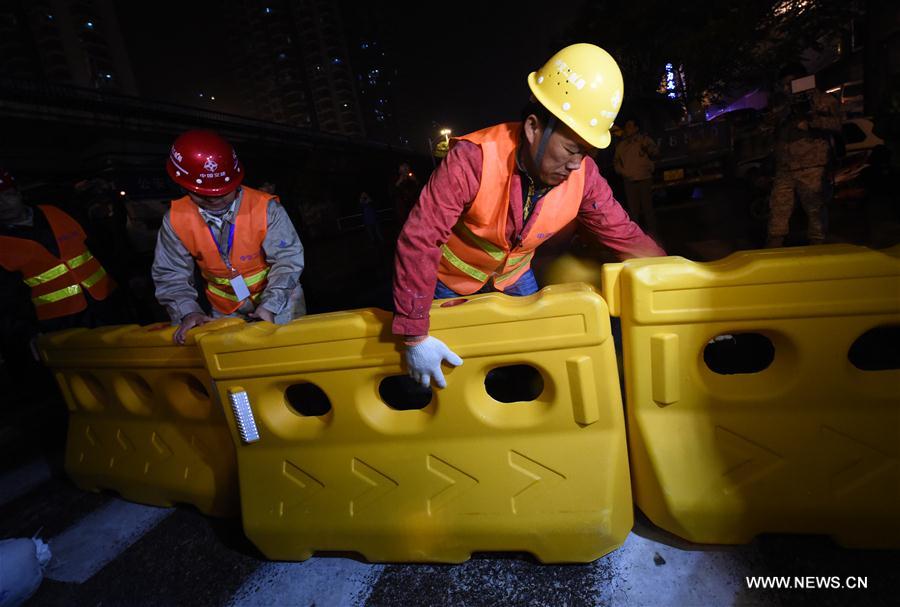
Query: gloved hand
{"points": [[424, 361]]}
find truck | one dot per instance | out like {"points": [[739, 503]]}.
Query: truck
{"points": [[693, 154]]}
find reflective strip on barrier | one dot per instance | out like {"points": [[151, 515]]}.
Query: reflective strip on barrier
{"points": [[243, 416], [57, 295], [748, 411], [142, 418], [524, 450]]}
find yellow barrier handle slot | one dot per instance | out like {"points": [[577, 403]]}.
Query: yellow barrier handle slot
{"points": [[584, 389], [243, 415], [664, 367]]}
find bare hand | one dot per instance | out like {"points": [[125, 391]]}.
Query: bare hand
{"points": [[262, 314], [194, 319]]}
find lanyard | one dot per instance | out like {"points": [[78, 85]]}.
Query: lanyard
{"points": [[227, 252]]}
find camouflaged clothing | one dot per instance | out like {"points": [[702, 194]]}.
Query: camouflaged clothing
{"points": [[805, 139], [807, 186], [804, 157]]}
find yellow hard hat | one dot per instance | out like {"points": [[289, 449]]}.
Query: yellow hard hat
{"points": [[582, 86]]}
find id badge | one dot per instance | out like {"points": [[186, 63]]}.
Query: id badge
{"points": [[239, 287]]}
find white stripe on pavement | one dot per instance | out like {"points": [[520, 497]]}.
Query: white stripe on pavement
{"points": [[20, 481], [646, 573], [323, 582], [87, 546]]}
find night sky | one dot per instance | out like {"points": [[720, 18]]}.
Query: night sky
{"points": [[461, 64]]}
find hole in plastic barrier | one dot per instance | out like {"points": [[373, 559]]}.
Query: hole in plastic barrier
{"points": [[877, 349], [88, 391], [308, 400], [134, 393], [514, 383], [402, 393], [196, 388], [188, 396], [732, 354]]}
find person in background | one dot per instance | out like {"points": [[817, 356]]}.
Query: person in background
{"points": [[503, 191], [807, 123], [48, 251], [242, 240], [370, 218], [268, 187], [405, 192], [633, 160]]}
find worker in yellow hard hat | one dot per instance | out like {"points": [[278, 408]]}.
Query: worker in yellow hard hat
{"points": [[504, 190]]}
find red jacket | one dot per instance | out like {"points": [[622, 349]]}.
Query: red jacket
{"points": [[448, 194]]}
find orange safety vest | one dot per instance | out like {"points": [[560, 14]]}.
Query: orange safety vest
{"points": [[56, 282], [246, 255], [477, 250]]}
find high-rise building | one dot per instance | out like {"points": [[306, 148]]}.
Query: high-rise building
{"points": [[291, 57], [370, 38], [316, 63], [323, 42], [72, 41], [268, 63]]}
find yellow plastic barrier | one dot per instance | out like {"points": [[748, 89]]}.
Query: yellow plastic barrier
{"points": [[142, 419], [462, 473], [793, 437]]}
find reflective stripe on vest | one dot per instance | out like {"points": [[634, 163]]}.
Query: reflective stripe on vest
{"points": [[485, 245], [477, 249], [462, 266], [231, 296], [94, 278], [57, 271], [80, 260], [477, 274], [245, 254], [518, 263], [249, 280], [52, 273], [54, 296]]}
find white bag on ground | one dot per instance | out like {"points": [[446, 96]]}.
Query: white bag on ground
{"points": [[22, 564]]}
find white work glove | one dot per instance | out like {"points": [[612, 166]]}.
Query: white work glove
{"points": [[424, 361]]}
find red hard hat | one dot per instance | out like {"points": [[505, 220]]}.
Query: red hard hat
{"points": [[6, 180], [204, 163]]}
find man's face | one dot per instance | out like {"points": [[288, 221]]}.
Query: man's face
{"points": [[213, 203], [564, 152], [630, 128], [11, 205]]}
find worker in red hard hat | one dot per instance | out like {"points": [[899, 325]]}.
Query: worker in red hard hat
{"points": [[242, 240]]}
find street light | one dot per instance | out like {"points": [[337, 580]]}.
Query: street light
{"points": [[438, 148]]}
